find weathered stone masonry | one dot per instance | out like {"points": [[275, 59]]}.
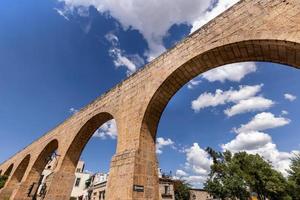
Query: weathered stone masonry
{"points": [[252, 30]]}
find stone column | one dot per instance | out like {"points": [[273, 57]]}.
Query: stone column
{"points": [[134, 172], [61, 186]]}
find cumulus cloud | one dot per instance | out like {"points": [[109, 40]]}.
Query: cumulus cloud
{"points": [[232, 72], [262, 144], [161, 143], [131, 62], [197, 166], [263, 121], [73, 110], [249, 105], [197, 159], [284, 112], [220, 7], [154, 18], [107, 130], [290, 97], [221, 97], [248, 141], [181, 173], [193, 83]]}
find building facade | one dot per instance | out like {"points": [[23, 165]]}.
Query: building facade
{"points": [[81, 184], [200, 194]]}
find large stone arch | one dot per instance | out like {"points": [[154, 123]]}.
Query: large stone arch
{"points": [[276, 51], [15, 178], [34, 174], [66, 172]]}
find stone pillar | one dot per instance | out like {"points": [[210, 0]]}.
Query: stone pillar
{"points": [[7, 191], [133, 173], [23, 189], [61, 186]]}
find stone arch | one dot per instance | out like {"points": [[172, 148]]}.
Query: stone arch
{"points": [[72, 156], [33, 178], [7, 173], [8, 170], [16, 178], [66, 174], [276, 51]]}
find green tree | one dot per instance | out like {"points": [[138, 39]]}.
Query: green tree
{"points": [[3, 179], [294, 178], [225, 179], [181, 190], [237, 176]]}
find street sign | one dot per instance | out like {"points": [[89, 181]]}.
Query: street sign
{"points": [[138, 188]]}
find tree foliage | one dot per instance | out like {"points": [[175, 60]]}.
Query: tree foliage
{"points": [[181, 190], [240, 175], [294, 178]]}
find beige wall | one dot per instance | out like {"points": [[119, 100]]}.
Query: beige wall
{"points": [[166, 188], [196, 194]]}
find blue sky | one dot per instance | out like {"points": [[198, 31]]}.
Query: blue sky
{"points": [[56, 56]]}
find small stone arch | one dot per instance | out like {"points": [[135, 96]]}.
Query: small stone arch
{"points": [[8, 170], [7, 173], [34, 176], [66, 173], [16, 178], [72, 156]]}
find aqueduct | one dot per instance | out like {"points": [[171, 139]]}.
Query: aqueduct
{"points": [[252, 30]]}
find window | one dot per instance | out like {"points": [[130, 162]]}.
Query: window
{"points": [[166, 189], [77, 182]]}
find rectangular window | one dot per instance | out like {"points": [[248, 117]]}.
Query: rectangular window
{"points": [[166, 189], [77, 182]]}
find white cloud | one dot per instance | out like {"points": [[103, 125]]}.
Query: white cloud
{"points": [[249, 105], [107, 130], [62, 13], [181, 173], [232, 72], [154, 18], [131, 62], [192, 83], [197, 166], [161, 143], [197, 159], [262, 144], [290, 97], [221, 97], [248, 141], [284, 112], [73, 110], [263, 121], [221, 6]]}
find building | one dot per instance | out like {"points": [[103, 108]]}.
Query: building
{"points": [[96, 190], [98, 186], [81, 184], [200, 194], [166, 188]]}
